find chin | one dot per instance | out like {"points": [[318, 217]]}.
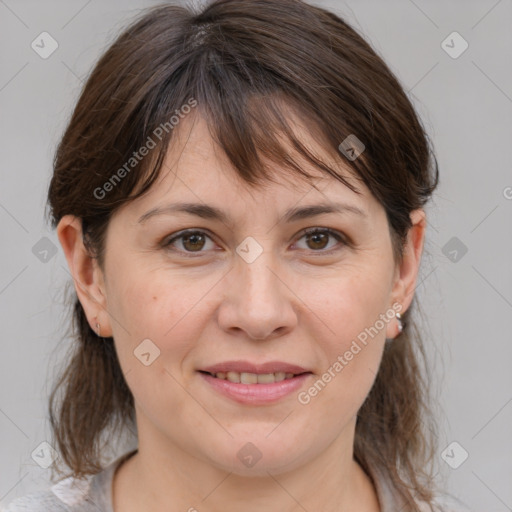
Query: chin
{"points": [[258, 456]]}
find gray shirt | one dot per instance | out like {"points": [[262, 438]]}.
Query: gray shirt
{"points": [[94, 494]]}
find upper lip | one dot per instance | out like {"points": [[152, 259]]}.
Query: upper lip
{"points": [[248, 367]]}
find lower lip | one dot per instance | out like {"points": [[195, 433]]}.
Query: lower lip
{"points": [[256, 394]]}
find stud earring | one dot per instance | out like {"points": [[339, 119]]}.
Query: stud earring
{"points": [[401, 324], [98, 329]]}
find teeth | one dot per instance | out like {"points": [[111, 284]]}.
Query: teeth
{"points": [[266, 378], [253, 378], [231, 376], [248, 378]]}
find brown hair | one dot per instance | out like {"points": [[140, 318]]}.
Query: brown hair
{"points": [[239, 61]]}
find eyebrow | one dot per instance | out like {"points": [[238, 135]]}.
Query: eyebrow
{"points": [[213, 213]]}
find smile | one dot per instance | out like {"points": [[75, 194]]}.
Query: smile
{"points": [[253, 378], [252, 388]]}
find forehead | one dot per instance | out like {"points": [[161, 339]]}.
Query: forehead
{"points": [[196, 170]]}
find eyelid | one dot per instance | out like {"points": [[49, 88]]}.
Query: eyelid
{"points": [[339, 236], [168, 240]]}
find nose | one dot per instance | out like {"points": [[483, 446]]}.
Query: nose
{"points": [[257, 300]]}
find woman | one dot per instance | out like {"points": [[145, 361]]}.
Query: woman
{"points": [[240, 198]]}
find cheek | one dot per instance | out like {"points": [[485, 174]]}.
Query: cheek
{"points": [[151, 304], [353, 337], [159, 326], [148, 300], [349, 304]]}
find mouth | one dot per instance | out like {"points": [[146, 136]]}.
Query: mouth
{"points": [[253, 384], [253, 378]]}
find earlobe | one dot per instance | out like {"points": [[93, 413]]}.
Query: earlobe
{"points": [[87, 276]]}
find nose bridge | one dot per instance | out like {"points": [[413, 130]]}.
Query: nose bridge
{"points": [[259, 285], [257, 301]]}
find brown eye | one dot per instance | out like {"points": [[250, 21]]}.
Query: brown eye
{"points": [[191, 242], [194, 241], [318, 239]]}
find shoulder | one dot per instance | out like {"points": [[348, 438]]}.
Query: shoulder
{"points": [[67, 495], [391, 501], [444, 504], [40, 501], [89, 494]]}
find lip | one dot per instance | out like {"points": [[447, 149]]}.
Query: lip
{"points": [[256, 394], [248, 367]]}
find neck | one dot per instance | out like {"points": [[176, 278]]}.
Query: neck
{"points": [[172, 479]]}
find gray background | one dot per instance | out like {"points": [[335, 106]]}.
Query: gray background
{"points": [[465, 104]]}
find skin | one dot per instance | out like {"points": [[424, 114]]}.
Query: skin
{"points": [[295, 303]]}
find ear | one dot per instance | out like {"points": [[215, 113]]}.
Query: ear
{"points": [[407, 272], [87, 276]]}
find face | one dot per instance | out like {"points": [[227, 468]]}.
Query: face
{"points": [[253, 293]]}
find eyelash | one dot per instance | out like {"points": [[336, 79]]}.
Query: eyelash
{"points": [[310, 231]]}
